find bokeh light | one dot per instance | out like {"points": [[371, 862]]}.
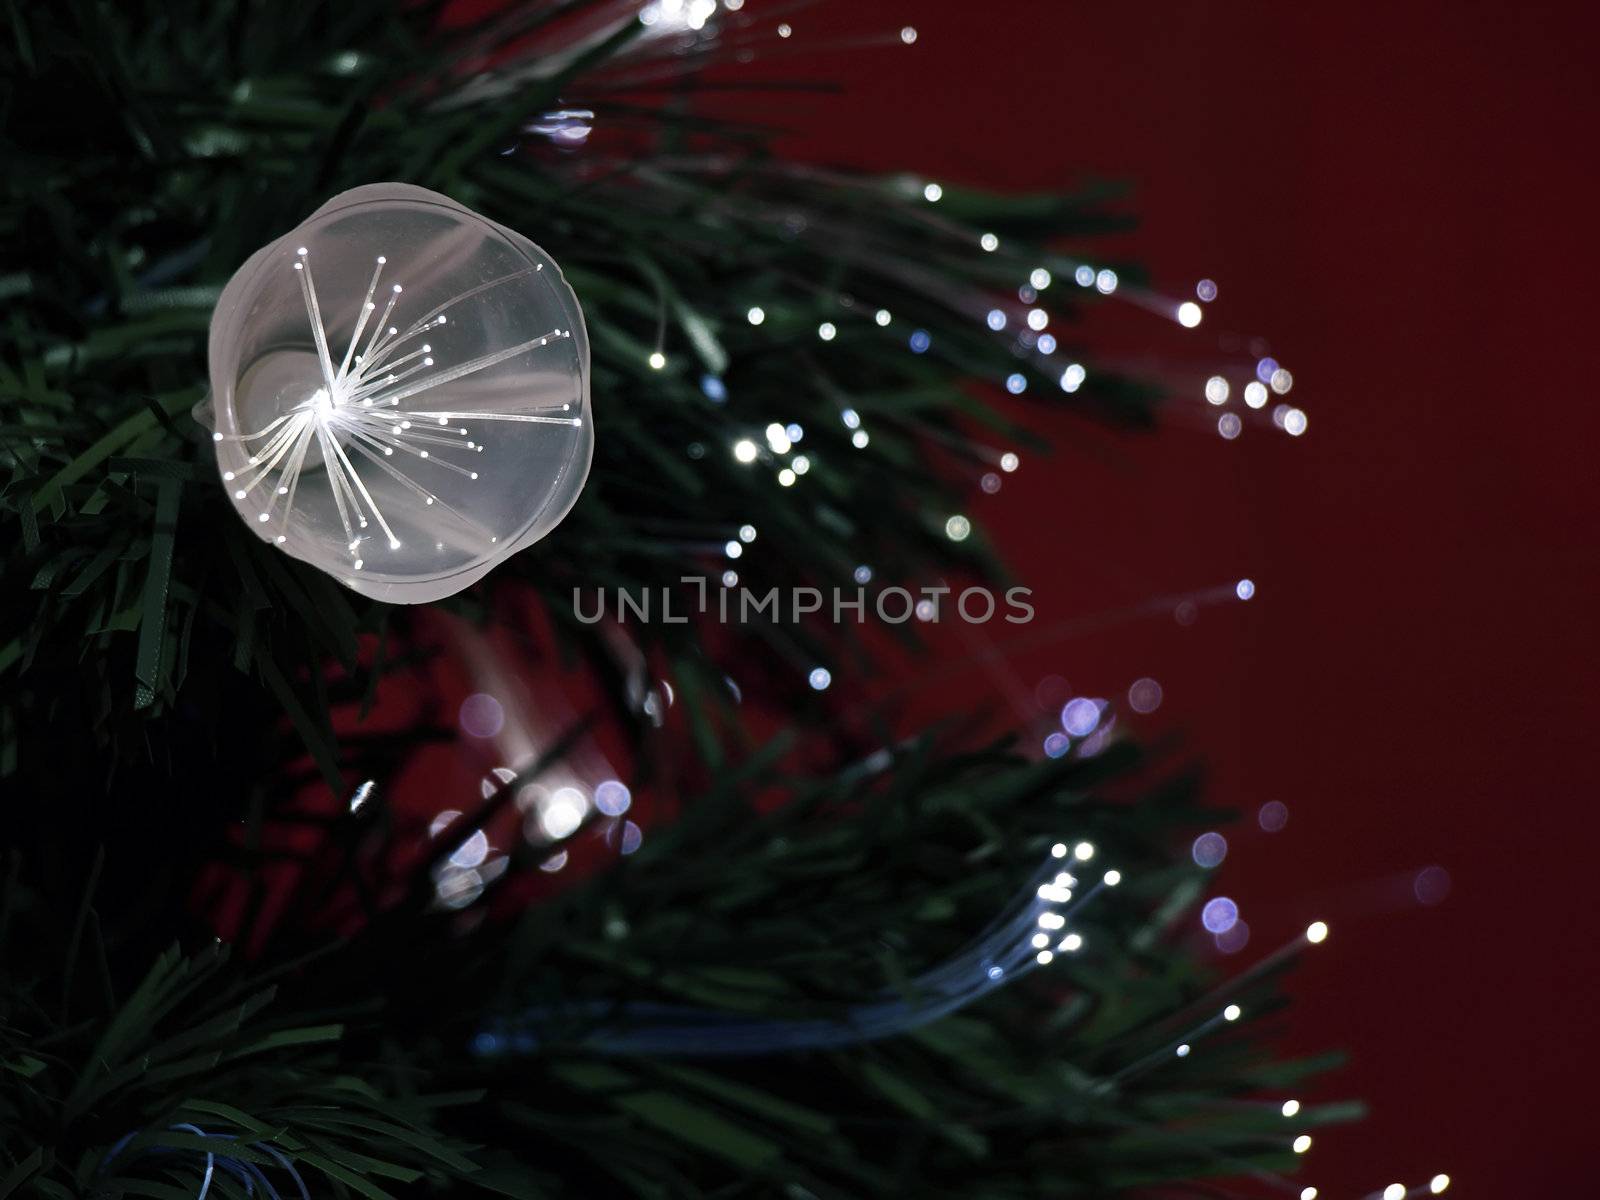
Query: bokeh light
{"points": [[612, 797], [1144, 695], [1431, 885], [562, 814], [1235, 939], [481, 715], [1219, 915], [1209, 849], [1080, 715]]}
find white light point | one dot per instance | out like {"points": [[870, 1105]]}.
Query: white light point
{"points": [[1059, 850], [1183, 1050], [1112, 878], [908, 35], [1083, 851], [989, 242], [657, 360], [1232, 1012], [827, 331], [563, 813], [1072, 943], [756, 315], [1290, 1107], [1044, 958], [1189, 314], [1438, 1183], [1302, 1143], [932, 192], [786, 478], [778, 438], [1395, 1191], [1009, 462], [1317, 932], [882, 316], [1309, 1193], [745, 450]]}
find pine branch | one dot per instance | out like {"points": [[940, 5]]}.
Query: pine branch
{"points": [[858, 889]]}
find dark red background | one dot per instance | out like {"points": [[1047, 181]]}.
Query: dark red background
{"points": [[1400, 199]]}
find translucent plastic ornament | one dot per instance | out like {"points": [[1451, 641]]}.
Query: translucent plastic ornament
{"points": [[400, 393]]}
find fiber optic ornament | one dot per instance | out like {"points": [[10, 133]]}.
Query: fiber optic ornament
{"points": [[400, 393]]}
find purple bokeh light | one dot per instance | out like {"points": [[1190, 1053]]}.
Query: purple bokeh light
{"points": [[1209, 849], [1235, 939], [612, 797], [1081, 715], [1144, 695], [1219, 915], [481, 715], [1431, 885]]}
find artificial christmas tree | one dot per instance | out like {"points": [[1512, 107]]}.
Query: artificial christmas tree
{"points": [[836, 965]]}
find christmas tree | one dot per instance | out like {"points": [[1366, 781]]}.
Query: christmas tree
{"points": [[789, 954]]}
